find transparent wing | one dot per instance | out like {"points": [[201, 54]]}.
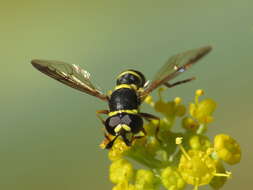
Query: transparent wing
{"points": [[71, 75], [176, 65]]}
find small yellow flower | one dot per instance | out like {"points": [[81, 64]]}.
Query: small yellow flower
{"points": [[200, 142], [197, 167], [177, 100], [171, 179], [145, 179], [199, 92], [190, 124], [180, 109], [120, 171], [202, 110], [118, 150], [227, 149], [124, 186], [171, 108], [163, 107], [149, 100]]}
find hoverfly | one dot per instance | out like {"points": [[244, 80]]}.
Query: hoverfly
{"points": [[124, 117]]}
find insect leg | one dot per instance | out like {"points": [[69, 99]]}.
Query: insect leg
{"points": [[150, 117], [106, 112], [139, 136], [107, 143], [179, 82], [110, 143]]}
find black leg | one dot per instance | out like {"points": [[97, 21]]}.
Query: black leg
{"points": [[139, 137], [179, 82], [107, 141], [126, 141], [149, 117], [110, 143]]}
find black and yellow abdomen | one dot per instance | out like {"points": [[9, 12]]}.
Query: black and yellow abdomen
{"points": [[124, 102]]}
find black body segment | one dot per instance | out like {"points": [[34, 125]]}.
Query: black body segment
{"points": [[131, 77], [124, 99], [134, 121]]}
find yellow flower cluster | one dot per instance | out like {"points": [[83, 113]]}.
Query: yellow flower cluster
{"points": [[126, 178], [175, 159]]}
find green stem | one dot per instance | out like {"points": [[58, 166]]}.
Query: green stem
{"points": [[146, 160], [202, 129]]}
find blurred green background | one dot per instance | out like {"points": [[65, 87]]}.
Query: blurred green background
{"points": [[49, 133]]}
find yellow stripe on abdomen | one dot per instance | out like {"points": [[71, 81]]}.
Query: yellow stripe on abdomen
{"points": [[130, 86], [123, 111]]}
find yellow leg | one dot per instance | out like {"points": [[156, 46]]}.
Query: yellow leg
{"points": [[106, 112]]}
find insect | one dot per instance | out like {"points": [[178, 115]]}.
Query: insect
{"points": [[124, 119]]}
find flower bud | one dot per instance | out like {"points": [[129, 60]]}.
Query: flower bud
{"points": [[121, 170], [171, 179], [199, 142], [190, 124], [145, 179], [227, 149]]}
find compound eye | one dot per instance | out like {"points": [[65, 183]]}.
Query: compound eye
{"points": [[114, 121]]}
